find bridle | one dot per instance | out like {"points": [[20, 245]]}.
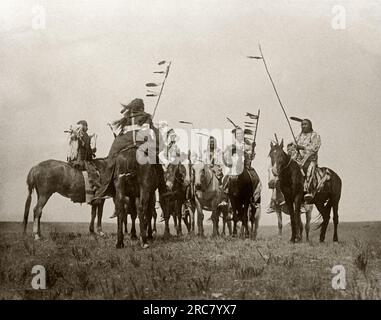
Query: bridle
{"points": [[285, 167]]}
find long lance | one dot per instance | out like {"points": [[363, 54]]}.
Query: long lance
{"points": [[161, 89], [276, 92], [255, 133]]}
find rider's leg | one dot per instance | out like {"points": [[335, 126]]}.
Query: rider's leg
{"points": [[309, 187]]}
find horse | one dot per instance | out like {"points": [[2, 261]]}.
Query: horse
{"points": [[240, 192], [178, 181], [54, 176], [224, 211], [279, 205], [138, 182], [207, 195], [291, 184]]}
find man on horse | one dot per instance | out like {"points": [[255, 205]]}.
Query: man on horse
{"points": [[238, 156], [85, 153], [132, 127], [213, 156], [305, 153], [171, 151]]}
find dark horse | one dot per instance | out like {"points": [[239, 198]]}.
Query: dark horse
{"points": [[291, 184], [51, 176], [240, 192], [138, 182]]}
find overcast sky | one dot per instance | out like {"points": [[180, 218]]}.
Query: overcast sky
{"points": [[92, 55]]}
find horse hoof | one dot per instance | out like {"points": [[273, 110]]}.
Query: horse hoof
{"points": [[37, 237], [120, 245], [145, 245], [101, 233]]}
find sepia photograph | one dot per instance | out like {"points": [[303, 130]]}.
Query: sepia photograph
{"points": [[190, 150]]}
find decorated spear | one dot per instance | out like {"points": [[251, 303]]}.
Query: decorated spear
{"points": [[261, 57], [256, 118], [151, 84]]}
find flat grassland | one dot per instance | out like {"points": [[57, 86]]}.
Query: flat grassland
{"points": [[81, 266]]}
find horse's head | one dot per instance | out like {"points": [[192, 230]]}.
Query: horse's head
{"points": [[279, 158], [202, 174], [188, 173]]}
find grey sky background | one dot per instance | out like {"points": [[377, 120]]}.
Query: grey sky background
{"points": [[92, 55]]}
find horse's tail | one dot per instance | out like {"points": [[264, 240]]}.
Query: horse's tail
{"points": [[30, 181]]}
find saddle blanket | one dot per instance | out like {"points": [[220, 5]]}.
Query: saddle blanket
{"points": [[321, 176]]}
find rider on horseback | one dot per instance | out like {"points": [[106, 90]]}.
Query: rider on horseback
{"points": [[308, 144], [238, 157], [85, 154], [132, 127], [213, 156]]}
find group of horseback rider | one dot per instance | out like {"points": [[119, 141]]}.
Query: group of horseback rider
{"points": [[238, 156]]}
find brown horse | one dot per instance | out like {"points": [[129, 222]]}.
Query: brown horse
{"points": [[291, 184], [51, 176], [138, 182], [240, 191]]}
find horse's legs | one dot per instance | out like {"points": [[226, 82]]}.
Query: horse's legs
{"points": [[133, 211], [245, 219], [200, 218], [235, 219], [93, 215], [280, 225], [251, 220], [335, 207], [154, 217], [41, 201], [174, 215], [99, 216], [178, 213], [256, 221], [325, 211], [167, 215], [125, 220], [299, 224], [308, 222], [290, 207], [230, 227], [215, 222], [150, 209], [119, 209], [187, 216], [144, 216]]}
